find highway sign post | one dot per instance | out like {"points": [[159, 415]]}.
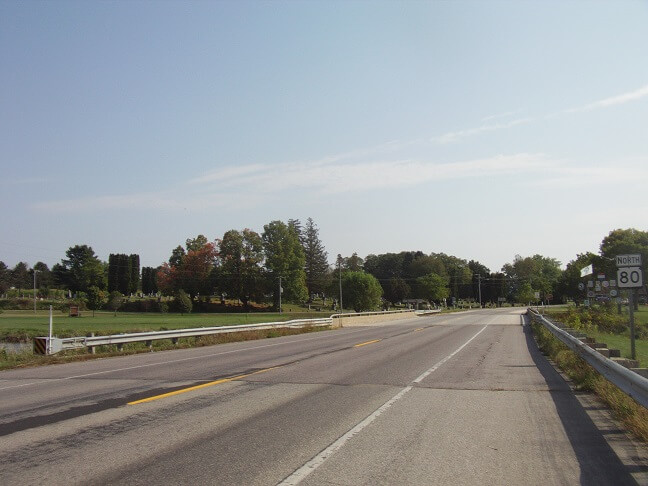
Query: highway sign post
{"points": [[630, 276]]}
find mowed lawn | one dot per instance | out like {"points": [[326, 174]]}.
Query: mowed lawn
{"points": [[16, 323], [622, 341]]}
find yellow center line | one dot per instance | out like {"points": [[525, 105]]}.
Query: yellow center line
{"points": [[368, 342], [198, 387]]}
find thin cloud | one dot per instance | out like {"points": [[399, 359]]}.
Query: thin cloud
{"points": [[257, 184], [499, 115], [343, 176], [565, 177], [613, 101], [458, 135]]}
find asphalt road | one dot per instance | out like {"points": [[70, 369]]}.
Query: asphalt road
{"points": [[454, 399]]}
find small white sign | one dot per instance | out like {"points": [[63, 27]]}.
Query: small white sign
{"points": [[628, 260], [630, 277]]}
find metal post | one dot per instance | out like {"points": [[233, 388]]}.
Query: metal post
{"points": [[49, 340], [35, 271], [340, 263], [632, 324], [479, 283], [279, 294]]}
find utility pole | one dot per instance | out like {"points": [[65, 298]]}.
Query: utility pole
{"points": [[280, 290], [340, 266], [479, 285]]}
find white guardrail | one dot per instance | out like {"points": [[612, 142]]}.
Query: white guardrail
{"points": [[631, 383], [62, 344], [55, 345]]}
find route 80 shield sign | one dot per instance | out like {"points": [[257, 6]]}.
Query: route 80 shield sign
{"points": [[629, 277]]}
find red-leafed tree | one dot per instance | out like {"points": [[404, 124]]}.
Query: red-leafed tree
{"points": [[191, 273]]}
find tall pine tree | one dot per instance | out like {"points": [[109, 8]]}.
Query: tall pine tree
{"points": [[134, 262], [316, 266]]}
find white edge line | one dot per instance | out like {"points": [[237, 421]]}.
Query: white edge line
{"points": [[440, 363], [300, 474]]}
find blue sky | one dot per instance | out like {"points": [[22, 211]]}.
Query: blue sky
{"points": [[479, 129]]}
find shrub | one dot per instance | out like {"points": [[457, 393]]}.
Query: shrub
{"points": [[182, 302]]}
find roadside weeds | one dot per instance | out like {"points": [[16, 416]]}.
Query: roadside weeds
{"points": [[633, 416]]}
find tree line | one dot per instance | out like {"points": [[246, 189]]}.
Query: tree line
{"points": [[287, 261]]}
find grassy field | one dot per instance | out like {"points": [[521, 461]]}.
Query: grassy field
{"points": [[622, 342], [22, 325]]}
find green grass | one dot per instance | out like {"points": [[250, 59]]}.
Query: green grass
{"points": [[622, 342], [641, 316], [22, 325]]}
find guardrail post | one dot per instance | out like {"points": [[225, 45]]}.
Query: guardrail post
{"points": [[150, 345], [120, 347], [91, 349]]}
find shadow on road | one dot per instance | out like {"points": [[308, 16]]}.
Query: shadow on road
{"points": [[599, 464]]}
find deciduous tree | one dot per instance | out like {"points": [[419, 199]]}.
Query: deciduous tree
{"points": [[284, 257], [361, 291], [192, 273], [432, 287], [241, 257], [94, 298]]}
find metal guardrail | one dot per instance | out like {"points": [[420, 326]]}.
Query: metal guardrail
{"points": [[42, 346], [631, 383], [62, 344]]}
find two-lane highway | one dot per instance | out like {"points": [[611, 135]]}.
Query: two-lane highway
{"points": [[459, 399]]}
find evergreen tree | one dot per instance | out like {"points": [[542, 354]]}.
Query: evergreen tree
{"points": [[134, 262], [149, 284], [124, 274], [44, 277], [81, 269], [113, 272], [5, 278], [20, 276], [316, 259]]}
